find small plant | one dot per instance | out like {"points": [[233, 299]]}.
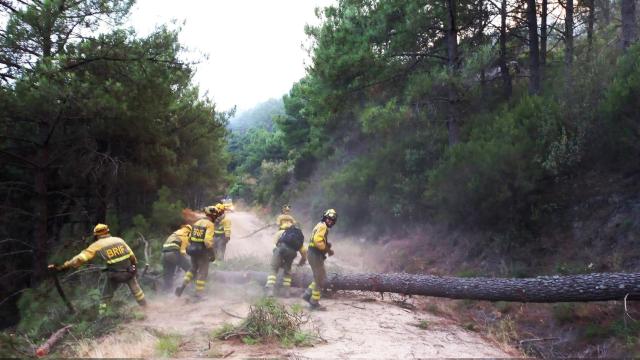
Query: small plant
{"points": [[564, 313], [268, 320], [168, 345], [504, 330], [423, 324], [470, 326]]}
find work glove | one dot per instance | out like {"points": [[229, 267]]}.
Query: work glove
{"points": [[133, 269], [330, 252], [54, 267]]}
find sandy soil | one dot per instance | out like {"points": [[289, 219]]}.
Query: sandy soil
{"points": [[354, 325]]}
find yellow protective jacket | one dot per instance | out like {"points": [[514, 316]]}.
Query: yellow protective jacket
{"points": [[285, 221], [110, 248], [202, 231], [320, 237], [179, 240], [223, 227]]}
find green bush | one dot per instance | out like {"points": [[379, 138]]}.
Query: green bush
{"points": [[620, 138], [490, 179], [269, 320]]}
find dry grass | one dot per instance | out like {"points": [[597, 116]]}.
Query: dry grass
{"points": [[136, 344]]}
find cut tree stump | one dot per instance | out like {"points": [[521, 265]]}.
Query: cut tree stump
{"points": [[542, 289]]}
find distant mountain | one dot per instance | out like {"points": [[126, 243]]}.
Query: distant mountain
{"points": [[258, 117]]}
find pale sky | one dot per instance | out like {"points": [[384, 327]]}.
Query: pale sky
{"points": [[255, 47]]}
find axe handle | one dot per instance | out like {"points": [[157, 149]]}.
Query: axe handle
{"points": [[56, 281]]}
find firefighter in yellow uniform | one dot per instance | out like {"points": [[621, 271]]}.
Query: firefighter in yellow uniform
{"points": [[121, 264], [174, 254], [222, 235], [201, 250], [318, 249], [285, 251]]}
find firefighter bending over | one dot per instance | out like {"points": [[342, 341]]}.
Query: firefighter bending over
{"points": [[201, 250], [289, 241], [318, 249], [174, 255], [121, 265]]}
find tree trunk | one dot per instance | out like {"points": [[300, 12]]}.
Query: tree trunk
{"points": [[534, 51], [452, 62], [504, 69], [543, 289], [543, 35], [568, 47], [628, 10], [591, 18], [605, 8]]}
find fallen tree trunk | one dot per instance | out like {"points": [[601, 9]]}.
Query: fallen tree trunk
{"points": [[543, 289]]}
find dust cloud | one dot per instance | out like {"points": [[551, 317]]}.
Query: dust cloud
{"points": [[355, 324]]}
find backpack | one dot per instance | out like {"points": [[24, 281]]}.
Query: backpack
{"points": [[292, 238]]}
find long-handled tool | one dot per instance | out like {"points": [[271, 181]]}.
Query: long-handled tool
{"points": [[257, 231], [56, 281]]}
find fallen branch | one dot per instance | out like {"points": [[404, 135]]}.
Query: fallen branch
{"points": [[537, 339], [230, 314], [45, 348]]}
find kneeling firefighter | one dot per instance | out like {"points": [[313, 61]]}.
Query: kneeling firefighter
{"points": [[201, 250], [289, 241], [121, 265], [174, 254], [318, 249]]}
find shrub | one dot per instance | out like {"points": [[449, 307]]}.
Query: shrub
{"points": [[268, 320]]}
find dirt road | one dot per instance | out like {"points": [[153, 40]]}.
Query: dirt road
{"points": [[355, 325]]}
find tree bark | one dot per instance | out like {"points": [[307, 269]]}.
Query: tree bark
{"points": [[591, 19], [568, 47], [452, 63], [504, 69], [628, 13], [543, 34], [543, 289], [534, 51]]}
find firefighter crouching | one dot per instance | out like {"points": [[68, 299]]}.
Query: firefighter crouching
{"points": [[174, 255], [121, 265], [222, 235], [289, 241], [201, 250], [318, 249]]}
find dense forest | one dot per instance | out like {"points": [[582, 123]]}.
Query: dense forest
{"points": [[466, 113], [97, 124]]}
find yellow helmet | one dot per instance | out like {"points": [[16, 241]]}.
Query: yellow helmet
{"points": [[214, 210], [101, 229], [330, 214], [220, 208], [286, 208]]}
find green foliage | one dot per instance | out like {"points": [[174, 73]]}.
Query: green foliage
{"points": [[165, 213], [168, 345], [268, 320], [490, 178], [620, 110], [423, 324]]}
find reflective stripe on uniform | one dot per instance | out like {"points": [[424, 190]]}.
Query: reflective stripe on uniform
{"points": [[171, 246], [188, 276], [200, 285], [271, 280], [118, 259], [312, 285], [139, 295], [315, 294], [196, 240], [286, 281]]}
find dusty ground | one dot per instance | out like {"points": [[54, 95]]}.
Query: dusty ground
{"points": [[355, 325]]}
